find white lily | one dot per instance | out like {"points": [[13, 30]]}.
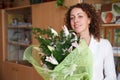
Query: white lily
{"points": [[51, 48], [51, 59], [54, 32], [75, 37], [70, 49], [74, 44], [65, 30], [40, 36]]}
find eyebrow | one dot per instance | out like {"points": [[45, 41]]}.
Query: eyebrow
{"points": [[77, 14]]}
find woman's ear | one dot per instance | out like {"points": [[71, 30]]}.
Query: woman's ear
{"points": [[89, 20]]}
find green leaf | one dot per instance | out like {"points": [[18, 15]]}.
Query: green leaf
{"points": [[59, 2]]}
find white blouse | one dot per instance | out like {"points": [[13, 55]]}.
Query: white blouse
{"points": [[103, 60]]}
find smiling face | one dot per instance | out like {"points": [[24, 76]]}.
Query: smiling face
{"points": [[79, 21]]}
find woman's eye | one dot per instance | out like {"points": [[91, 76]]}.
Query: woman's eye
{"points": [[71, 18], [80, 16]]}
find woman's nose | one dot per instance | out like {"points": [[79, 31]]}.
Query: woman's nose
{"points": [[76, 20]]}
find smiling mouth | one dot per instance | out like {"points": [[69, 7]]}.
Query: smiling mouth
{"points": [[77, 26]]}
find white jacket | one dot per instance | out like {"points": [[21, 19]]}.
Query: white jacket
{"points": [[102, 60]]}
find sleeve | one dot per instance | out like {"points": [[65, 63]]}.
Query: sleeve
{"points": [[109, 65]]}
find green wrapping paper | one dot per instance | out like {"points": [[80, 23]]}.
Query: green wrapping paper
{"points": [[78, 65]]}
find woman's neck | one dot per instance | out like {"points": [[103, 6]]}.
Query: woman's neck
{"points": [[87, 39], [86, 36]]}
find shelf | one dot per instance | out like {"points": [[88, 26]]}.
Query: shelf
{"points": [[109, 25], [18, 43], [24, 63], [116, 54], [19, 27], [16, 8]]}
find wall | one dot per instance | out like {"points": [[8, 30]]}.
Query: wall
{"points": [[47, 14]]}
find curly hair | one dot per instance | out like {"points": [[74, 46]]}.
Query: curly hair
{"points": [[90, 10]]}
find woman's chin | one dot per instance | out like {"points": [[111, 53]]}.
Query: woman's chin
{"points": [[77, 31]]}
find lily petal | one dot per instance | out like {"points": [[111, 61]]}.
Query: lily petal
{"points": [[51, 59], [74, 44], [54, 32], [51, 48], [65, 30]]}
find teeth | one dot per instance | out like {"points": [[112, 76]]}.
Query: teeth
{"points": [[77, 26]]}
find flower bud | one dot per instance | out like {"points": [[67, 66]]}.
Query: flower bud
{"points": [[65, 30]]}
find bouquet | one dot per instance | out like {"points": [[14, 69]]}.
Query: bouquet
{"points": [[63, 56]]}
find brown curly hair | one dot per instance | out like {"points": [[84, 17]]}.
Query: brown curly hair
{"points": [[90, 10]]}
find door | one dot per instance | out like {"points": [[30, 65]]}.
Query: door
{"points": [[9, 71], [24, 73]]}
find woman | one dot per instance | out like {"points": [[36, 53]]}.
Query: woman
{"points": [[83, 19]]}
